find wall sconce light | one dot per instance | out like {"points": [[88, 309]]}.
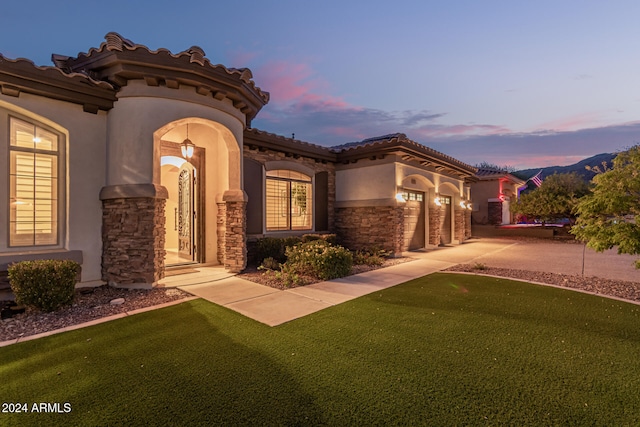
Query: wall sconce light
{"points": [[187, 147], [462, 204], [400, 197], [437, 201], [469, 205]]}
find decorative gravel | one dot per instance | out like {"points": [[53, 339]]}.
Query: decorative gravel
{"points": [[89, 304], [615, 288], [94, 303]]}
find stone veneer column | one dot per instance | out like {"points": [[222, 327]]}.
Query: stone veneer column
{"points": [[133, 234], [459, 225], [221, 220], [467, 224], [434, 225], [235, 236]]}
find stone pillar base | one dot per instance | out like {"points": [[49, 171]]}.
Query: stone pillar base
{"points": [[133, 234], [434, 225], [459, 225], [235, 235]]}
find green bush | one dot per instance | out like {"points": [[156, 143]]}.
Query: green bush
{"points": [[320, 259], [44, 284], [274, 247], [270, 264], [367, 258], [329, 238]]}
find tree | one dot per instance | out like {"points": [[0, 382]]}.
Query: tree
{"points": [[492, 166], [607, 217], [556, 198]]}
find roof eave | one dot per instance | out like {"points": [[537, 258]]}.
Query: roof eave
{"points": [[21, 75]]}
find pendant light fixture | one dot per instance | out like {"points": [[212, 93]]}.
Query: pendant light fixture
{"points": [[187, 147]]}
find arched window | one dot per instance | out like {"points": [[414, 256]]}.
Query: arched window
{"points": [[33, 184], [289, 200]]}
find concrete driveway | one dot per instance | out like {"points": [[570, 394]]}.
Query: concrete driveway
{"points": [[539, 255]]}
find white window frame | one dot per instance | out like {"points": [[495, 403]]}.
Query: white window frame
{"points": [[59, 154]]}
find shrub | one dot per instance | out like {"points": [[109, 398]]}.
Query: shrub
{"points": [[320, 259], [329, 238], [44, 284], [270, 264], [274, 247], [480, 266], [287, 276], [366, 258]]}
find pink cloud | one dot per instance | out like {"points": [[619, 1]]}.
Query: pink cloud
{"points": [[437, 131], [292, 83], [571, 123]]}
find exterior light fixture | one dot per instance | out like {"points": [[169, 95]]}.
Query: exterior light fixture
{"points": [[400, 197], [462, 204], [437, 201], [470, 206], [187, 147]]}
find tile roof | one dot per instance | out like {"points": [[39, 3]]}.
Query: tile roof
{"points": [[488, 173], [22, 75], [401, 140], [116, 43]]}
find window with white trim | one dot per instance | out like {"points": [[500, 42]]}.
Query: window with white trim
{"points": [[34, 157], [289, 200]]}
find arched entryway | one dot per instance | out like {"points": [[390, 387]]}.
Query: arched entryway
{"points": [[198, 189], [183, 211]]}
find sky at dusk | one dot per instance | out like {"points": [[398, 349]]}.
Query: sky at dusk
{"points": [[525, 84]]}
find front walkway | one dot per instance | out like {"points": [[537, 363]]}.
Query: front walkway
{"points": [[274, 307]]}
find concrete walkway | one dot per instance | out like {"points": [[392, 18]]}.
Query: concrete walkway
{"points": [[274, 307]]}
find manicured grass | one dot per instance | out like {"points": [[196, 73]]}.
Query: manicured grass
{"points": [[440, 350]]}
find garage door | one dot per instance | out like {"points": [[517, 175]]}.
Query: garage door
{"points": [[445, 220], [414, 220]]}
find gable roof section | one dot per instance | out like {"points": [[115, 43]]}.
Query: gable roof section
{"points": [[21, 75], [487, 174], [119, 60], [398, 143]]}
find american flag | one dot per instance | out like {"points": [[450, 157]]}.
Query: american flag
{"points": [[536, 179]]}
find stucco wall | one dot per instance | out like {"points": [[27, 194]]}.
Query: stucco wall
{"points": [[141, 111], [85, 172], [366, 183], [483, 191]]}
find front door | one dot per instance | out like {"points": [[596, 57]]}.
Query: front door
{"points": [[186, 213], [184, 207]]}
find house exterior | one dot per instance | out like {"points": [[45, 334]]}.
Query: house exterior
{"points": [[492, 195], [132, 161]]}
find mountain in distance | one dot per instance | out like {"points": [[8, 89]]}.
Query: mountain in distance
{"points": [[579, 168]]}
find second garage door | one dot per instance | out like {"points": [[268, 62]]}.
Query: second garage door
{"points": [[414, 219]]}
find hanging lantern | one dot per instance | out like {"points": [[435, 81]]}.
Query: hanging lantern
{"points": [[187, 147]]}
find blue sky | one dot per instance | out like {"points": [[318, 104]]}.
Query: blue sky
{"points": [[527, 84]]}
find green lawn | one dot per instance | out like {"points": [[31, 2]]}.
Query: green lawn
{"points": [[441, 350]]}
